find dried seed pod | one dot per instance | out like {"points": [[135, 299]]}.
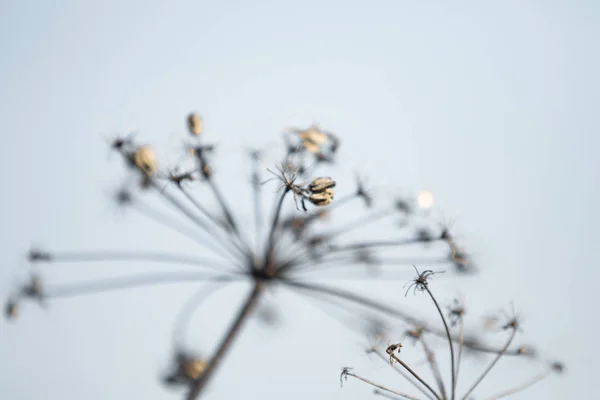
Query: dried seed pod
{"points": [[145, 159], [188, 369], [314, 135], [192, 368], [34, 287], [195, 124], [319, 185], [313, 138], [11, 310], [322, 198]]}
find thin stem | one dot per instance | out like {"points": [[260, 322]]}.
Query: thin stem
{"points": [[224, 206], [193, 217], [452, 364], [298, 245], [185, 314], [249, 304], [361, 246], [128, 282], [109, 256], [460, 346], [488, 369], [402, 373], [237, 245], [380, 243], [390, 396], [256, 195], [366, 302], [358, 223], [413, 373], [353, 297], [377, 385], [200, 207], [183, 230], [520, 387], [350, 261], [435, 369], [310, 265], [270, 241]]}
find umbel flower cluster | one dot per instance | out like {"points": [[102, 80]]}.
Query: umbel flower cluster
{"points": [[282, 245]]}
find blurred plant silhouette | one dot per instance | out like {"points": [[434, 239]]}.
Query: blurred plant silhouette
{"points": [[436, 388], [285, 246]]}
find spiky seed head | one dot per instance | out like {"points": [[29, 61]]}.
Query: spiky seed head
{"points": [[145, 160], [195, 124], [319, 185], [322, 198]]}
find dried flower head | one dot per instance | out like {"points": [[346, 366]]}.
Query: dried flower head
{"points": [[420, 282], [393, 350]]}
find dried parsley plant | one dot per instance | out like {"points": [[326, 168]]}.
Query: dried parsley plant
{"points": [[283, 246], [436, 388]]}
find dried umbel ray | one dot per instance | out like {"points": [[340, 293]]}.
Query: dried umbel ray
{"points": [[291, 246]]}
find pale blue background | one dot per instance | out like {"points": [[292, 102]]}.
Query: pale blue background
{"points": [[493, 105]]}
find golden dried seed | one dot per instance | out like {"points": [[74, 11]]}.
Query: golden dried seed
{"points": [[314, 135], [193, 368], [145, 160], [319, 185], [195, 124], [322, 198]]}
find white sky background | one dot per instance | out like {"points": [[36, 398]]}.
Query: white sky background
{"points": [[492, 105]]}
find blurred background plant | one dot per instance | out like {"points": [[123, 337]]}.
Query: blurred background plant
{"points": [[434, 384]]}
